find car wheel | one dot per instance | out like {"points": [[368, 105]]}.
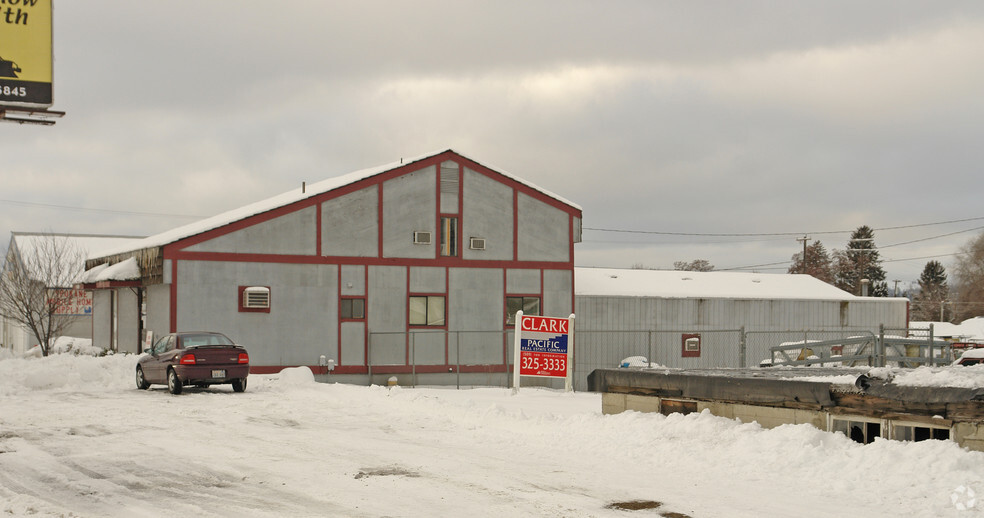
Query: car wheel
{"points": [[173, 382], [239, 385], [141, 381]]}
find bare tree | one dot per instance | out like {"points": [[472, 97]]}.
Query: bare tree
{"points": [[35, 284], [969, 279]]}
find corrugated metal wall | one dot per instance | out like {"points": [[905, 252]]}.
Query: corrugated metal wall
{"points": [[611, 328]]}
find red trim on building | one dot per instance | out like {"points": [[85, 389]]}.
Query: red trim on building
{"points": [[515, 226], [446, 262], [378, 180], [317, 229], [173, 303], [379, 221]]}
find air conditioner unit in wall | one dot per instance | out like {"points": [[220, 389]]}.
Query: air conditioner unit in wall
{"points": [[476, 243], [421, 238], [256, 297]]}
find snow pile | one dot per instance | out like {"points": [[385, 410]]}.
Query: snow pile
{"points": [[638, 362], [76, 346], [66, 372], [956, 376], [296, 377]]}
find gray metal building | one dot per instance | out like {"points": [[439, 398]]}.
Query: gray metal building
{"points": [[682, 319], [414, 252]]}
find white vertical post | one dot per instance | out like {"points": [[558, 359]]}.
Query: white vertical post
{"points": [[569, 380], [516, 346]]}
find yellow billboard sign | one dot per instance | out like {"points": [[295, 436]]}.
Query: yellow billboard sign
{"points": [[25, 53]]}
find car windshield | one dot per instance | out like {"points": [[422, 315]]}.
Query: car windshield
{"points": [[198, 340]]}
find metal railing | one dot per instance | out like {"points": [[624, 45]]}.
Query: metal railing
{"points": [[865, 349]]}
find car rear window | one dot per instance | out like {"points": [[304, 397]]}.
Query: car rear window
{"points": [[204, 339]]}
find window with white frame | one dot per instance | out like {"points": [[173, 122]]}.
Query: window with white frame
{"points": [[919, 432], [857, 428]]}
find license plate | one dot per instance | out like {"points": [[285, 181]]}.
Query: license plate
{"points": [[218, 373]]}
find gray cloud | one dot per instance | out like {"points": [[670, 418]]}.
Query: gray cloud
{"points": [[700, 117]]}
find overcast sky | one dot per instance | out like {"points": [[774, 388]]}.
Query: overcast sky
{"points": [[775, 119]]}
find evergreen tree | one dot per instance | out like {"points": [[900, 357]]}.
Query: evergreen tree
{"points": [[860, 261], [817, 264], [929, 303]]}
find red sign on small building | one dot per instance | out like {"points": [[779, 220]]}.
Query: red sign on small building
{"points": [[690, 345]]}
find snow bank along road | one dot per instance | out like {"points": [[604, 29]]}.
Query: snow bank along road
{"points": [[76, 439]]}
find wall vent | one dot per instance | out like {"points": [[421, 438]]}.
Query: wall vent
{"points": [[256, 297], [421, 238]]}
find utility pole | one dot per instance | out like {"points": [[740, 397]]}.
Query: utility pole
{"points": [[804, 239], [896, 281]]}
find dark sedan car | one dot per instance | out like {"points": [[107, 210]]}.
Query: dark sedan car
{"points": [[193, 358]]}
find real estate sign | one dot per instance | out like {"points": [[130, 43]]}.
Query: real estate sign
{"points": [[25, 53], [543, 348]]}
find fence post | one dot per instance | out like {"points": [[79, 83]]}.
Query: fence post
{"points": [[742, 348], [931, 344], [369, 358], [413, 361], [652, 348], [880, 347]]}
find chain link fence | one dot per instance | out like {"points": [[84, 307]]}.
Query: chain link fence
{"points": [[484, 358]]}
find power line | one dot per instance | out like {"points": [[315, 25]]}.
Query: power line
{"points": [[773, 234], [110, 211]]}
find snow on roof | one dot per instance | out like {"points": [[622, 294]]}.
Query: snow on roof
{"points": [[970, 329], [293, 196], [685, 284], [122, 271], [78, 246]]}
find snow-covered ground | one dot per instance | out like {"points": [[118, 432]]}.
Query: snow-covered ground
{"points": [[77, 439]]}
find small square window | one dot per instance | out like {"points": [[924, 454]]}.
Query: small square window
{"points": [[529, 305], [352, 309], [427, 310]]}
